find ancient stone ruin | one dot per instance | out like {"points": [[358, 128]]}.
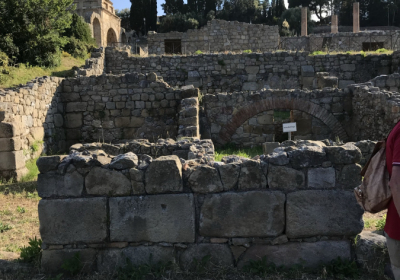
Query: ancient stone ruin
{"points": [[140, 178]]}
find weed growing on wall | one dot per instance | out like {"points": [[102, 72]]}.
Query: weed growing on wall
{"points": [[198, 52], [247, 51], [33, 171]]}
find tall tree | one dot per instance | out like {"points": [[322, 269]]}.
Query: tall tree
{"points": [[124, 15], [143, 9], [318, 7]]}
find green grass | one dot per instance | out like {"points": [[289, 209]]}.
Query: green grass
{"points": [[230, 149], [247, 51], [364, 54], [25, 73], [33, 171]]}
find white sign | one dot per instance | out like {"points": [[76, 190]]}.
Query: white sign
{"points": [[289, 127]]}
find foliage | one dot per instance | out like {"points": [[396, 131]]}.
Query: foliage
{"points": [[78, 48], [231, 149], [383, 50], [178, 22], [380, 224], [21, 210], [198, 52], [293, 18], [4, 67], [318, 7], [33, 252], [33, 171], [133, 272], [124, 15], [73, 265], [30, 31], [141, 9], [340, 269], [4, 227], [247, 51]]}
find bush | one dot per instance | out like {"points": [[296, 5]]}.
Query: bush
{"points": [[33, 252], [247, 51], [4, 67], [78, 48], [198, 52], [178, 22]]}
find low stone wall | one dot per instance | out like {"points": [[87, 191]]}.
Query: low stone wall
{"points": [[294, 206], [341, 42], [30, 122], [130, 106], [214, 73], [94, 66], [218, 36]]}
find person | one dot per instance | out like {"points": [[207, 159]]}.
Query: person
{"points": [[392, 227]]}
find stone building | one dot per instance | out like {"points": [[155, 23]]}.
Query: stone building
{"points": [[100, 14]]}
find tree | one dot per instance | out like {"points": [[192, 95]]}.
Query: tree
{"points": [[178, 22], [293, 18], [124, 15], [172, 7], [319, 7], [30, 30], [143, 9]]}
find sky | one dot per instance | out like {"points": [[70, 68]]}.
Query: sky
{"points": [[122, 4]]}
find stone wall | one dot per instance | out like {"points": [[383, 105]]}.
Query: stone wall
{"points": [[245, 118], [341, 42], [30, 122], [214, 73], [94, 66], [130, 106], [295, 206], [219, 36]]}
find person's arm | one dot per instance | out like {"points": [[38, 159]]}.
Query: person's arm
{"points": [[395, 186]]}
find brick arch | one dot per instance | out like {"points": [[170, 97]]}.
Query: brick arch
{"points": [[250, 110]]}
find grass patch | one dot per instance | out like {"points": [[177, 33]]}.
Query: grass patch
{"points": [[364, 54], [231, 149], [25, 73], [22, 225], [33, 171], [374, 222]]}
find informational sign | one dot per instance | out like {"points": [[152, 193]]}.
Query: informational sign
{"points": [[289, 127]]}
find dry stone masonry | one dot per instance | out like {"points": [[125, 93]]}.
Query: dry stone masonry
{"points": [[214, 73], [218, 36], [296, 202]]}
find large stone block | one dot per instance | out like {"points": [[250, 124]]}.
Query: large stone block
{"points": [[247, 214], [10, 144], [109, 260], [345, 154], [8, 130], [328, 213], [321, 177], [229, 175], [371, 250], [164, 175], [251, 176], [52, 184], [37, 133], [52, 260], [282, 177], [307, 156], [102, 181], [156, 218], [73, 120], [350, 177], [67, 221], [219, 255], [300, 253], [205, 179], [46, 164], [12, 160]]}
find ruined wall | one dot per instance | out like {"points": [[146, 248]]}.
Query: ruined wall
{"points": [[218, 36], [130, 106], [243, 117], [94, 66], [341, 42], [235, 72], [295, 206], [30, 122]]}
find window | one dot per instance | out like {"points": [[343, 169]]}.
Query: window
{"points": [[173, 46], [372, 46]]}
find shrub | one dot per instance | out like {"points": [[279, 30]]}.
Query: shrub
{"points": [[198, 52], [4, 67], [382, 50], [247, 51], [33, 252]]}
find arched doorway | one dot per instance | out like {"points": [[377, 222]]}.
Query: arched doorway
{"points": [[123, 38], [111, 37], [97, 31]]}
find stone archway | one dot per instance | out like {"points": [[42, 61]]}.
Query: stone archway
{"points": [[97, 31], [111, 37], [250, 110]]}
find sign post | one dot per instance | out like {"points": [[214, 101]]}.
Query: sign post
{"points": [[289, 127]]}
